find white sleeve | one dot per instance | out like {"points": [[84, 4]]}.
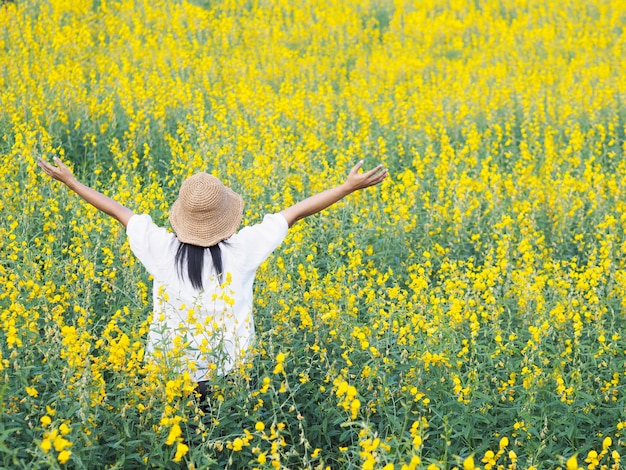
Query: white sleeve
{"points": [[151, 244], [260, 240]]}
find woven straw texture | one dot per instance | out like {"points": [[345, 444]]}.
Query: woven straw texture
{"points": [[206, 211]]}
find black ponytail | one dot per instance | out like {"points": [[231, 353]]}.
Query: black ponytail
{"points": [[216, 256], [193, 257]]}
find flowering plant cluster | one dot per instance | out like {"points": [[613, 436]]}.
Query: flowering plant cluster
{"points": [[467, 313]]}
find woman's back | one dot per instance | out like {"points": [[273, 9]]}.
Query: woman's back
{"points": [[213, 325]]}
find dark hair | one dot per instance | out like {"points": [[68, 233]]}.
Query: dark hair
{"points": [[193, 255]]}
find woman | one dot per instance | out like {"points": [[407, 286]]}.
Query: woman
{"points": [[204, 271]]}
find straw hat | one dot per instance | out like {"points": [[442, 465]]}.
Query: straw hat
{"points": [[206, 212]]}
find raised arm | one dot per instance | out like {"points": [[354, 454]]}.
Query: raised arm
{"points": [[318, 202], [101, 202]]}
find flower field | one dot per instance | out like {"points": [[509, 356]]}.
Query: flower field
{"points": [[467, 313]]}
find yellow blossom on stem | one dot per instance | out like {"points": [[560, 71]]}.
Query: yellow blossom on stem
{"points": [[181, 451], [173, 435], [64, 456]]}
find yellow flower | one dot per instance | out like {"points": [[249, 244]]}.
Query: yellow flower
{"points": [[181, 450], [259, 426], [46, 445], [572, 463], [60, 443], [616, 456], [64, 456], [45, 420], [174, 434], [489, 458], [237, 444], [354, 408], [32, 392], [468, 463], [592, 458]]}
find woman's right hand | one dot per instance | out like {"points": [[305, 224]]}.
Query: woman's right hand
{"points": [[60, 172]]}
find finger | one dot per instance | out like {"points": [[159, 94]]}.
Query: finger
{"points": [[373, 171], [44, 165], [46, 162], [357, 167], [377, 178], [59, 163]]}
